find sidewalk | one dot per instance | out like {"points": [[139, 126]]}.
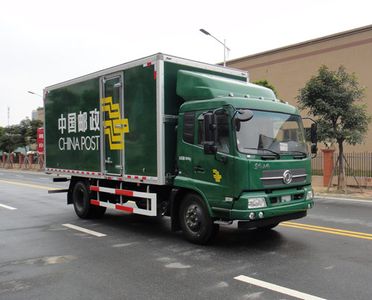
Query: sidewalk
{"points": [[24, 171], [352, 192]]}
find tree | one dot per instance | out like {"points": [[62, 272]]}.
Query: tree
{"points": [[2, 133], [21, 135], [28, 130], [265, 83], [331, 97], [11, 139]]}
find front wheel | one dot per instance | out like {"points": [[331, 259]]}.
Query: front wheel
{"points": [[195, 221]]}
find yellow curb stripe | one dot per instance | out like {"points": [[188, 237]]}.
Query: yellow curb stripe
{"points": [[35, 186], [328, 228], [356, 235]]}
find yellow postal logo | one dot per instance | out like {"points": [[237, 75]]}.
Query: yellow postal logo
{"points": [[114, 126], [216, 175]]}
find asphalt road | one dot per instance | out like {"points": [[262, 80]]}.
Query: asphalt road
{"points": [[327, 255]]}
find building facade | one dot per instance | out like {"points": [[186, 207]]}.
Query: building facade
{"points": [[289, 68], [38, 114]]}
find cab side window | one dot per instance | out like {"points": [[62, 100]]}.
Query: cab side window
{"points": [[188, 127], [201, 138], [223, 136]]}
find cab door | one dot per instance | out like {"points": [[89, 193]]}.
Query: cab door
{"points": [[214, 173], [113, 126]]}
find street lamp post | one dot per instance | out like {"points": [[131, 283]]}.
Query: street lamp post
{"points": [[225, 48], [42, 117], [33, 93]]}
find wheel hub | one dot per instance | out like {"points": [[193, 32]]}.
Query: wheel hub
{"points": [[192, 218]]}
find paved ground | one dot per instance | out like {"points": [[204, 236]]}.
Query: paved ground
{"points": [[327, 254]]}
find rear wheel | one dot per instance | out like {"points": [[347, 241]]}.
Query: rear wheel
{"points": [[196, 224], [81, 200]]}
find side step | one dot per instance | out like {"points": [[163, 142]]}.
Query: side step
{"points": [[129, 206], [55, 191]]}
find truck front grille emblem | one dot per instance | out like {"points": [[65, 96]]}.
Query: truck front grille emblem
{"points": [[287, 177]]}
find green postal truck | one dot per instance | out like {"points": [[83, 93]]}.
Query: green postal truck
{"points": [[165, 136]]}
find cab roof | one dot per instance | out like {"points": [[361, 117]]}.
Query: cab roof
{"points": [[200, 86]]}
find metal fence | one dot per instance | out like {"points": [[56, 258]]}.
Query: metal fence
{"points": [[21, 161], [317, 165], [358, 164]]}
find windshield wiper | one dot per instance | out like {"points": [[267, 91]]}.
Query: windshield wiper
{"points": [[304, 154], [273, 152]]}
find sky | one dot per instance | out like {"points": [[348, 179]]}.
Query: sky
{"points": [[47, 42]]}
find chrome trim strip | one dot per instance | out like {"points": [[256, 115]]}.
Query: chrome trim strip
{"points": [[220, 209], [281, 177]]}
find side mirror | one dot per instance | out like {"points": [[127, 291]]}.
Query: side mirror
{"points": [[314, 138], [314, 148], [242, 115], [210, 132], [313, 133], [210, 128]]}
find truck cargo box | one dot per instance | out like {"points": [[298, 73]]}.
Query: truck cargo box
{"points": [[120, 123]]}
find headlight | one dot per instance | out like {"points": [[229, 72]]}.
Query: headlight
{"points": [[309, 195], [256, 202]]}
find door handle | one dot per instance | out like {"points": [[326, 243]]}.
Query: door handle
{"points": [[221, 157], [199, 169]]}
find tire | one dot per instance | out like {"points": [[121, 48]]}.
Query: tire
{"points": [[81, 201], [196, 224]]}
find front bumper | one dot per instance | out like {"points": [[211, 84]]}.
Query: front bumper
{"points": [[295, 206], [271, 211], [270, 221]]}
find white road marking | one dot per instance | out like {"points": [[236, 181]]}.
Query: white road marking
{"points": [[78, 228], [343, 199], [19, 176], [7, 207], [277, 288]]}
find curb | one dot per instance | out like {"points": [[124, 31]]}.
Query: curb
{"points": [[33, 172], [348, 197]]}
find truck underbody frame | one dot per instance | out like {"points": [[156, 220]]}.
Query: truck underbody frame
{"points": [[129, 205]]}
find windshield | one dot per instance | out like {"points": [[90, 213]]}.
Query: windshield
{"points": [[272, 133]]}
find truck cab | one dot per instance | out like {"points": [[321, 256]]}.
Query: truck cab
{"points": [[242, 152]]}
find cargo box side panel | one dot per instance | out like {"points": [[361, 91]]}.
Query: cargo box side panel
{"points": [[72, 135], [140, 110], [172, 102]]}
